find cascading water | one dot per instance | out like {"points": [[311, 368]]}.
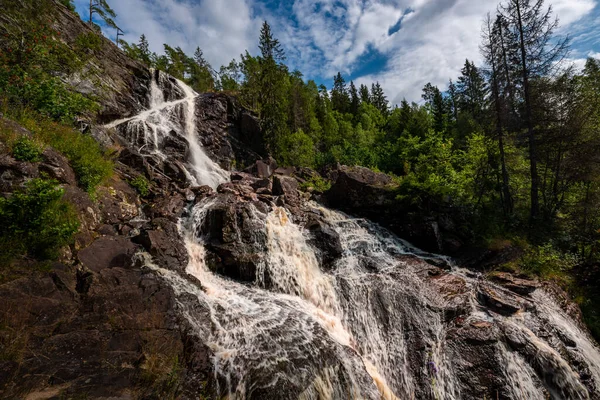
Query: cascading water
{"points": [[380, 324], [149, 129]]}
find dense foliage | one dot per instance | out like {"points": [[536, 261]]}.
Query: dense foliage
{"points": [[36, 221], [32, 59]]}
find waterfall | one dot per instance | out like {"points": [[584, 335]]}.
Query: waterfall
{"points": [[150, 128], [380, 324]]}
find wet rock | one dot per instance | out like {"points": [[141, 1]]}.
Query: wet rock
{"points": [[520, 286], [325, 239], [499, 302], [235, 235]]}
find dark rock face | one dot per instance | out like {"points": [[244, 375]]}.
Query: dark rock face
{"points": [[362, 192], [325, 239], [236, 236]]}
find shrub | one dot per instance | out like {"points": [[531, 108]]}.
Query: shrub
{"points": [[317, 184], [26, 149], [83, 152], [141, 184], [36, 220], [547, 262]]}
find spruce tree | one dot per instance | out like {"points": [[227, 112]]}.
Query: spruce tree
{"points": [[354, 99], [340, 99], [378, 99], [365, 96], [538, 53]]}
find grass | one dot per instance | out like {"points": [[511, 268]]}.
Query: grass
{"points": [[90, 163]]}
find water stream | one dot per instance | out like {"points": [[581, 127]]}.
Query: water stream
{"points": [[375, 326]]}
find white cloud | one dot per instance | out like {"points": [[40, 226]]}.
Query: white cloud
{"points": [[322, 37], [223, 29]]}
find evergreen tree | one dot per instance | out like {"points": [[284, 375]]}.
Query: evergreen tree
{"points": [[340, 99], [365, 96], [103, 10], [272, 94], [538, 52], [471, 91], [144, 50], [354, 99], [435, 101], [378, 99]]}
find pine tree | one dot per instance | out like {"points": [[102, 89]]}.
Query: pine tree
{"points": [[354, 99], [270, 48], [435, 101], [378, 99], [103, 10], [538, 53], [144, 50], [340, 99], [365, 96], [471, 91], [493, 54], [271, 91]]}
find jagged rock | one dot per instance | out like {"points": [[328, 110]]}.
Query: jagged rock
{"points": [[521, 286], [56, 166], [500, 302], [325, 239], [118, 202], [235, 234], [288, 188], [165, 244], [167, 205]]}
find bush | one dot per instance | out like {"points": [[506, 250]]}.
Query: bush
{"points": [[317, 184], [36, 221], [547, 262], [26, 149], [141, 184], [83, 152]]}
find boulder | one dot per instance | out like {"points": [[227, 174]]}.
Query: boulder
{"points": [[108, 252], [165, 244], [287, 187], [325, 239]]}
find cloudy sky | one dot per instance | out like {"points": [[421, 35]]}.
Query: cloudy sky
{"points": [[401, 43]]}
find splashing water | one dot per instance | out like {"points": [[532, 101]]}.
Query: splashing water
{"points": [[376, 326], [149, 129]]}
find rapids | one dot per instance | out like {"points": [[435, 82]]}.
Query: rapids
{"points": [[380, 324]]}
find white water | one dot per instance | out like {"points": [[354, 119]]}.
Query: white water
{"points": [[373, 328], [164, 118]]}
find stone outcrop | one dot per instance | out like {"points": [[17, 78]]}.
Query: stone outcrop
{"points": [[362, 192]]}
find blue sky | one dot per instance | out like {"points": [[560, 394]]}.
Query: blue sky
{"points": [[401, 43]]}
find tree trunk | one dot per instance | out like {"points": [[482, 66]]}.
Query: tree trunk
{"points": [[91, 11], [535, 201], [506, 197]]}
